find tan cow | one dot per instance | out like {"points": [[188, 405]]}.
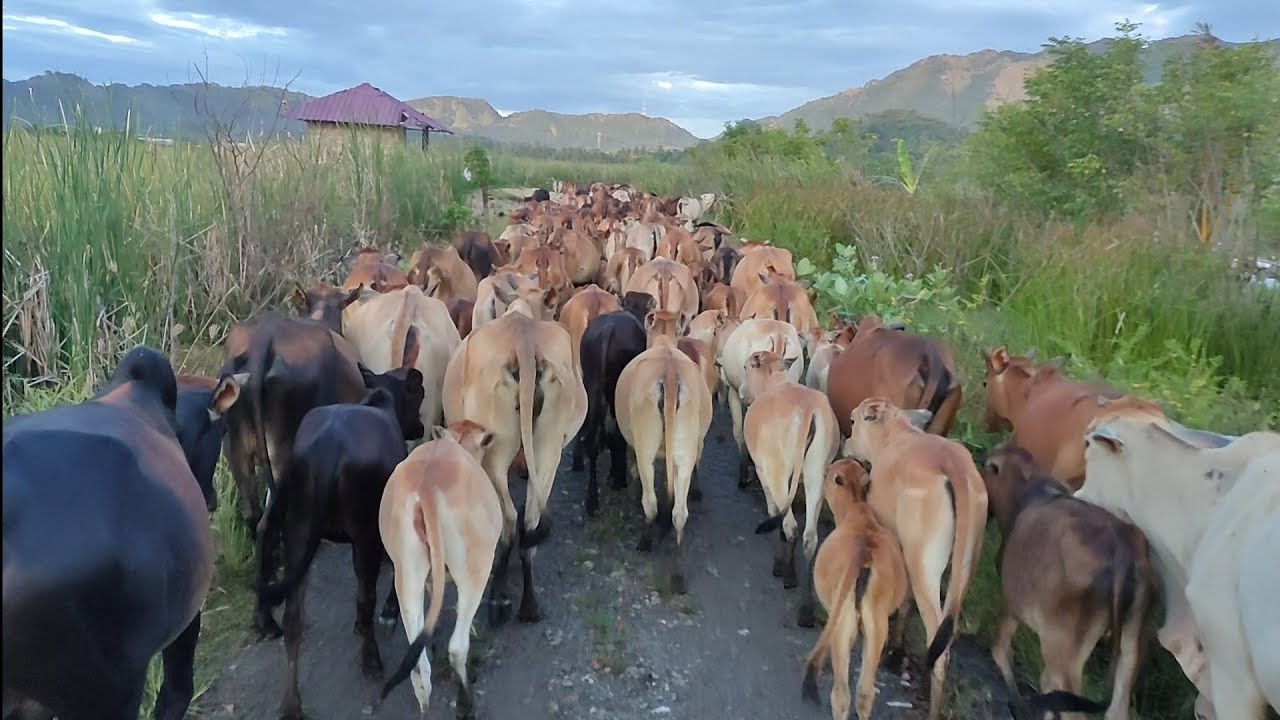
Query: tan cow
{"points": [[581, 256], [723, 297], [670, 283], [707, 325], [378, 324], [749, 337], [622, 266], [515, 239], [1175, 483], [586, 305], [663, 410], [861, 580], [925, 489], [443, 274], [1070, 571], [908, 370], [516, 377], [440, 516], [761, 261], [547, 263], [792, 437], [826, 347], [782, 299], [1048, 412]]}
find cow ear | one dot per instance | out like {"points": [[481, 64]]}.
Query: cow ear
{"points": [[805, 284], [1057, 363], [485, 440], [650, 318], [788, 362], [1105, 437], [998, 359], [764, 278], [551, 299], [369, 377], [353, 295], [438, 432], [682, 323], [299, 297], [756, 360], [873, 411], [226, 394]]}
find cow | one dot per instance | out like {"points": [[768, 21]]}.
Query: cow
{"points": [[342, 457], [723, 297], [462, 313], [586, 305], [1070, 571], [440, 518], [664, 410], [442, 274], [909, 370], [861, 580], [747, 338], [781, 299], [548, 265], [670, 283], [199, 435], [792, 436], [925, 488], [496, 293], [1163, 476], [1048, 412], [516, 377], [324, 303], [758, 262], [107, 550], [609, 343], [375, 270], [477, 251], [826, 346], [622, 265], [379, 327], [581, 256]]}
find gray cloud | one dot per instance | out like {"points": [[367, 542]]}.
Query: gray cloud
{"points": [[701, 62]]}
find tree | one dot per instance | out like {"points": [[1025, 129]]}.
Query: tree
{"points": [[476, 164]]}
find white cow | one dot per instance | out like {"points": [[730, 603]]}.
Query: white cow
{"points": [[1165, 477], [689, 209]]}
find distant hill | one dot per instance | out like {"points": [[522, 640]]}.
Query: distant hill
{"points": [[954, 88], [607, 132], [157, 110]]}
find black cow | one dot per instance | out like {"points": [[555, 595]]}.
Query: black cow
{"points": [[199, 435], [477, 251], [610, 342], [107, 551], [343, 455]]}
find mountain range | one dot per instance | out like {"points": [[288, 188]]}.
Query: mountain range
{"points": [[954, 89]]}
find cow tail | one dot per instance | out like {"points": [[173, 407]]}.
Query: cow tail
{"points": [[670, 400], [966, 544], [804, 438], [429, 534], [258, 378], [400, 329], [527, 369], [937, 380], [271, 595], [852, 581]]}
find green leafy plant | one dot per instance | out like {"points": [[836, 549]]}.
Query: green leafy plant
{"points": [[908, 178], [477, 165]]}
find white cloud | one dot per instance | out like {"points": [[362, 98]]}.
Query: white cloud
{"points": [[64, 26], [222, 28], [664, 84]]}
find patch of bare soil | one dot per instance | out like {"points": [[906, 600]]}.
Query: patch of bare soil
{"points": [[611, 644]]}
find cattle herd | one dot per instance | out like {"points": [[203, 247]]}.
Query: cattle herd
{"points": [[603, 317]]}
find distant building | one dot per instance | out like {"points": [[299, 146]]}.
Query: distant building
{"points": [[368, 112]]}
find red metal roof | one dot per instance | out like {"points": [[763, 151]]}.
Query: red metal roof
{"points": [[365, 104]]}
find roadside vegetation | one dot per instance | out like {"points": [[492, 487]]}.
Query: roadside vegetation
{"points": [[1099, 219]]}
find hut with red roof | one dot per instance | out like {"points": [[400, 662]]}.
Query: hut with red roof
{"points": [[365, 112]]}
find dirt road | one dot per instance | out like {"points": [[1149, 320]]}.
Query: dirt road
{"points": [[609, 645]]}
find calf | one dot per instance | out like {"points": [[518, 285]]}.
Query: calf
{"points": [[107, 551], [861, 580], [200, 435], [792, 437], [926, 489], [609, 343], [1049, 412], [440, 518], [908, 370], [515, 376], [343, 455], [1070, 571], [664, 410]]}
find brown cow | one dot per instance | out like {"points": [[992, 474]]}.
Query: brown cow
{"points": [[477, 250], [1069, 570], [760, 261], [442, 274], [1048, 412], [581, 256], [861, 580], [324, 303], [670, 283], [548, 264], [440, 517], [781, 299], [664, 410], [724, 297], [586, 305], [909, 370], [792, 437], [496, 293], [622, 266], [461, 312], [925, 489]]}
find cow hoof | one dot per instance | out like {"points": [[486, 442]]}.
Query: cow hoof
{"points": [[267, 628], [371, 667], [529, 614], [291, 711], [789, 579], [388, 620], [619, 484], [678, 585], [499, 613], [577, 465], [779, 566], [646, 543], [592, 507], [806, 617]]}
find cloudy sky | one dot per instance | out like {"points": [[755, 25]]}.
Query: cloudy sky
{"points": [[697, 62]]}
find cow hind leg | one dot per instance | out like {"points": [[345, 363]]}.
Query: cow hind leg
{"points": [[291, 705], [618, 457], [390, 608], [366, 556], [469, 596], [648, 500], [875, 633], [529, 610], [179, 674], [841, 653]]}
